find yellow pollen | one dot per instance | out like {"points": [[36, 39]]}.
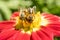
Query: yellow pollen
{"points": [[26, 26]]}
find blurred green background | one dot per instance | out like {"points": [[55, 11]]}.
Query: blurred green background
{"points": [[7, 7]]}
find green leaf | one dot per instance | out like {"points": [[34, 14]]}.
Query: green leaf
{"points": [[25, 3], [1, 18], [58, 3], [6, 11]]}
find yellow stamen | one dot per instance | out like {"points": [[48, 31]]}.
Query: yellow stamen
{"points": [[26, 26]]}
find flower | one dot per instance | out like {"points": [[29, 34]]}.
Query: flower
{"points": [[26, 25]]}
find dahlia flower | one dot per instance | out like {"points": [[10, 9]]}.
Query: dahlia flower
{"points": [[30, 25]]}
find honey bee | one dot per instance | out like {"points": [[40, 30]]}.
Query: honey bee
{"points": [[27, 14]]}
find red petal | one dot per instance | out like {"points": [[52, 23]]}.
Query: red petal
{"points": [[50, 17], [15, 14], [13, 37], [55, 29], [6, 33], [6, 24], [45, 34], [22, 36], [35, 36], [54, 23]]}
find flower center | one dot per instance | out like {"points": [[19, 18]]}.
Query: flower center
{"points": [[28, 20]]}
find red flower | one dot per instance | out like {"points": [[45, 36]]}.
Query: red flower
{"points": [[13, 30]]}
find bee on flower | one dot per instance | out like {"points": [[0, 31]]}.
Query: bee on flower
{"points": [[27, 24]]}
